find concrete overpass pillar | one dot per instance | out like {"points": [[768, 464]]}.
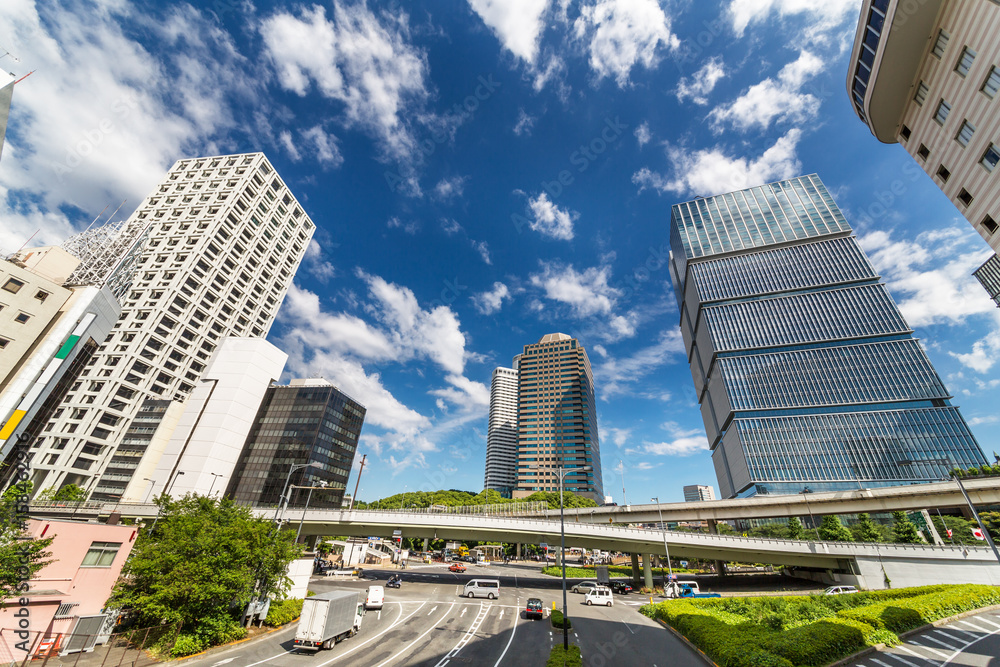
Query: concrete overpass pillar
{"points": [[635, 568], [518, 556], [647, 571], [720, 566], [427, 544]]}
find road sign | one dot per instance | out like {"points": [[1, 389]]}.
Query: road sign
{"points": [[543, 545], [397, 532], [684, 564]]}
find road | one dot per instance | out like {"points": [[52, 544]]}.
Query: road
{"points": [[427, 623], [971, 642]]}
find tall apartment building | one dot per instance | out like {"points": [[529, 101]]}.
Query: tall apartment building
{"points": [[807, 375], [696, 493], [501, 435], [927, 75], [308, 421], [225, 237], [557, 419]]}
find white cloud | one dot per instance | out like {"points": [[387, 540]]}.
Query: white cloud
{"points": [[642, 134], [587, 293], [411, 227], [484, 251], [524, 123], [323, 146], [518, 24], [550, 220], [822, 16], [773, 100], [622, 34], [682, 442], [363, 60], [702, 83], [710, 171], [315, 263], [619, 436], [450, 226], [285, 138], [491, 301], [617, 376], [599, 349], [449, 188]]}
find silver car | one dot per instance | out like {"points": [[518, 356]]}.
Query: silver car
{"points": [[584, 586]]}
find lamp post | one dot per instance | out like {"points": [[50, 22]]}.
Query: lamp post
{"points": [[215, 476], [561, 472], [167, 492], [670, 570], [283, 500], [805, 491], [150, 492], [322, 485]]}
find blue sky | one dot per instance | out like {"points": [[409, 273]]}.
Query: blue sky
{"points": [[482, 173]]}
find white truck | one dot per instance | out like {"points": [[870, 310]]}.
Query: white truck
{"points": [[328, 618]]}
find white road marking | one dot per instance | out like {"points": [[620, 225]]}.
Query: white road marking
{"points": [[914, 653], [432, 610], [900, 658], [932, 650], [223, 662], [986, 620], [977, 627], [464, 609], [469, 634], [371, 639], [501, 613], [938, 641], [408, 646], [512, 631], [884, 664], [629, 629], [954, 629]]}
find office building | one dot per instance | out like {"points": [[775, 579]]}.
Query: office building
{"points": [[988, 276], [223, 238], [808, 377], [308, 421], [696, 493], [557, 419], [926, 75], [501, 436], [6, 93]]}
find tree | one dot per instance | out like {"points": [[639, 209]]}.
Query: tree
{"points": [[866, 530], [771, 530], [795, 530], [992, 522], [961, 529], [206, 557], [832, 530], [16, 551], [903, 530], [69, 493]]}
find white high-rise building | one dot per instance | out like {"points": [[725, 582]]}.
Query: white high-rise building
{"points": [[697, 492], [225, 237], [501, 438]]}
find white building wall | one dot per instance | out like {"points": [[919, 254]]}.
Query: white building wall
{"points": [[217, 418], [501, 437]]}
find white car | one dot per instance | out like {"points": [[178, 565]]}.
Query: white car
{"points": [[374, 597], [584, 586], [600, 595], [840, 590], [482, 561]]}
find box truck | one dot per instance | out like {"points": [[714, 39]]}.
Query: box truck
{"points": [[328, 618]]}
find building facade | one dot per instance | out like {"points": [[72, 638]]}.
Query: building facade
{"points": [[224, 237], [696, 493], [808, 377], [501, 436], [926, 75], [988, 276], [308, 421], [557, 419]]}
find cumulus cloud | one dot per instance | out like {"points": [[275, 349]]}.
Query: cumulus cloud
{"points": [[821, 16], [587, 292], [642, 134], [550, 220], [450, 226], [680, 442], [484, 251], [621, 375], [323, 146], [491, 301], [711, 171], [518, 24], [702, 83], [411, 227], [315, 263], [449, 188]]}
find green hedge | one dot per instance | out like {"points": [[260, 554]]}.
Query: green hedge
{"points": [[282, 612], [558, 655], [613, 571], [811, 631], [557, 620], [187, 645]]}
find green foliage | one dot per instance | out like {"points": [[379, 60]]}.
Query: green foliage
{"points": [[16, 551], [866, 530], [187, 645], [810, 631], [831, 530], [613, 570], [903, 530], [557, 620], [205, 558], [769, 530], [560, 656], [282, 612], [69, 493], [795, 530], [984, 471], [961, 529], [992, 522], [454, 498]]}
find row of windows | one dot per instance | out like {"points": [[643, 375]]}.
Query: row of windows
{"points": [[866, 56], [989, 276]]}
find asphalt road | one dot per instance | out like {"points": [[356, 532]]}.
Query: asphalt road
{"points": [[427, 623], [971, 642]]}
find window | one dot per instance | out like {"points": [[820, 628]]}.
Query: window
{"points": [[943, 173], [21, 318], [4, 342], [965, 134], [992, 83], [66, 610], [989, 224], [41, 295], [941, 44], [990, 157], [13, 285], [101, 554], [941, 115], [965, 197], [921, 95], [965, 61], [904, 132]]}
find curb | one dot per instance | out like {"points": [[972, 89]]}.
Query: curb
{"points": [[688, 643], [225, 647]]}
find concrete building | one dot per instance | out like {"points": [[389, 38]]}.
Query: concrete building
{"points": [[926, 75], [6, 93], [698, 493], [808, 377], [67, 596], [308, 421], [225, 237], [201, 447], [557, 419], [501, 436]]}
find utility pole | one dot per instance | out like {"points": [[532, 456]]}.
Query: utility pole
{"points": [[361, 469]]}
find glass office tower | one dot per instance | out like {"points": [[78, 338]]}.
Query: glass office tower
{"points": [[808, 377]]}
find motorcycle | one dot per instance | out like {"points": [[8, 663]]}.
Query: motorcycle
{"points": [[394, 582]]}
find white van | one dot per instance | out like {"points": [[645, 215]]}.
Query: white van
{"points": [[483, 588], [375, 597]]}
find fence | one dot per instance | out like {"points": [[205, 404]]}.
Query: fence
{"points": [[499, 509], [127, 648]]}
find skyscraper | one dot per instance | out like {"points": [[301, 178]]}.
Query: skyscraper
{"points": [[501, 436], [225, 237], [557, 419], [697, 493], [807, 374]]}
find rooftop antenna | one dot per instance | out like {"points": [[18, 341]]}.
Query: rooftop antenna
{"points": [[8, 53]]}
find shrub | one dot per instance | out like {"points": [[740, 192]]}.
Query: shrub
{"points": [[902, 614], [282, 612], [559, 656], [187, 645], [557, 620], [214, 631]]}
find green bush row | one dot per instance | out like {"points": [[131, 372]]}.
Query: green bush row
{"points": [[900, 615], [282, 612], [557, 620], [210, 632], [559, 656]]}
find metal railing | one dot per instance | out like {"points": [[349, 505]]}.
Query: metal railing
{"points": [[498, 509], [135, 648]]}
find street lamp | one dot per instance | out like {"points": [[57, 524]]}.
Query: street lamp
{"points": [[215, 476], [150, 492], [670, 570], [561, 472], [167, 492], [322, 485], [805, 491], [283, 500]]}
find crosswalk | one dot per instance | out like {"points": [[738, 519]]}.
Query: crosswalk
{"points": [[937, 647]]}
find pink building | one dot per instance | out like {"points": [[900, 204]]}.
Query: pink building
{"points": [[68, 595]]}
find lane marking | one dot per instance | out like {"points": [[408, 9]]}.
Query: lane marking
{"points": [[986, 620], [512, 631], [424, 634], [977, 627], [223, 662], [629, 629], [464, 609], [964, 632], [884, 664], [432, 610], [931, 649], [469, 634], [946, 645], [900, 658], [915, 654], [371, 639], [974, 641]]}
